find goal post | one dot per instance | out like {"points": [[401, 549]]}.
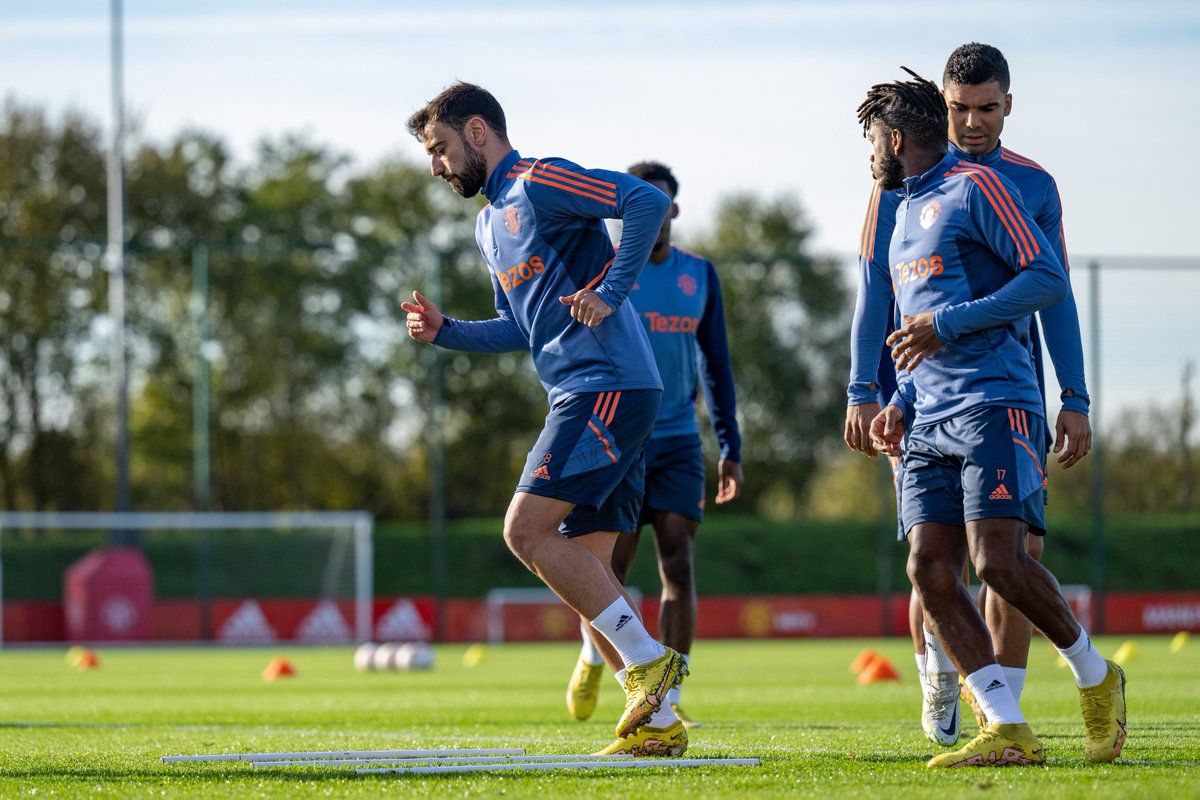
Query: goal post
{"points": [[339, 567]]}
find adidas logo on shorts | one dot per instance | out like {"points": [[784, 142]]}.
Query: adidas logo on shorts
{"points": [[1000, 493]]}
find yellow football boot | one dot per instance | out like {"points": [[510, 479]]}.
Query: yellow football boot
{"points": [[668, 742], [1104, 716], [966, 694], [997, 746], [584, 689], [646, 687]]}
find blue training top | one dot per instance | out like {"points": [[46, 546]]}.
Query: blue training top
{"points": [[682, 310], [872, 371], [543, 237], [967, 250]]}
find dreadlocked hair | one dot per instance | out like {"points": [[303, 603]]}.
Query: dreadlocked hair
{"points": [[915, 108]]}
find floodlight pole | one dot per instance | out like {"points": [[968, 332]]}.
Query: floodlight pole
{"points": [[437, 468], [1098, 554], [115, 258]]}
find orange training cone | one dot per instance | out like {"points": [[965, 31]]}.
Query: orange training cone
{"points": [[880, 669], [279, 667], [86, 660], [862, 660]]}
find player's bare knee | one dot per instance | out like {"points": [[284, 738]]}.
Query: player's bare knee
{"points": [[1001, 574], [932, 577], [521, 541]]}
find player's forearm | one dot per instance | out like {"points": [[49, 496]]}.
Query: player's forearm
{"points": [[481, 336], [1040, 284], [868, 330], [642, 212], [1060, 323]]}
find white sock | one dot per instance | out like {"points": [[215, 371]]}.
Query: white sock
{"points": [[663, 718], [1089, 667], [1015, 678], [673, 693], [589, 652], [920, 657], [620, 676], [993, 695], [936, 659], [622, 627]]}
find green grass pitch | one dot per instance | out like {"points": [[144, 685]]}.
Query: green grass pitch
{"points": [[794, 704]]}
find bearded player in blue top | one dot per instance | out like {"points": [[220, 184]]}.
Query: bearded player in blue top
{"points": [[678, 297], [968, 267], [975, 85], [560, 293]]}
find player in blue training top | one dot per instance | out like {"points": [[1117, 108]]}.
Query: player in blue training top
{"points": [[976, 81], [560, 293], [678, 297], [968, 267]]}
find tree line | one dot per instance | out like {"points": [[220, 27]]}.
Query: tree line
{"points": [[316, 398]]}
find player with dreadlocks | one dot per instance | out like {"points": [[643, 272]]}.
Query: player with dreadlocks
{"points": [[969, 265], [976, 91]]}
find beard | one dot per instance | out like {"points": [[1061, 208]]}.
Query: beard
{"points": [[473, 175], [891, 172]]}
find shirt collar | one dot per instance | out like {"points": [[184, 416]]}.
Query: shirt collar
{"points": [[987, 159], [915, 183], [499, 177]]}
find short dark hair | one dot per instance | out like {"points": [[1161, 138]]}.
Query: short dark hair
{"points": [[916, 108], [455, 106], [655, 171], [974, 64]]}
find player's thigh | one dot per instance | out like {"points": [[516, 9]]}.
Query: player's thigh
{"points": [[1003, 475], [674, 478], [930, 481]]}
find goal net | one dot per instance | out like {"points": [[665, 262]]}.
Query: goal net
{"points": [[229, 577]]}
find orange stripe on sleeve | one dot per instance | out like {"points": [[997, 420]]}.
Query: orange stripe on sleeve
{"points": [[997, 195], [1006, 217], [1014, 214], [606, 185], [1000, 213], [866, 240], [562, 176], [541, 179]]}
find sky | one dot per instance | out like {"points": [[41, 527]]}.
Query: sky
{"points": [[746, 96]]}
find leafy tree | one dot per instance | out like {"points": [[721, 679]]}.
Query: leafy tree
{"points": [[787, 315], [51, 285]]}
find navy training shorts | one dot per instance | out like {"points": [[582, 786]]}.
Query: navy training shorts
{"points": [[591, 452]]}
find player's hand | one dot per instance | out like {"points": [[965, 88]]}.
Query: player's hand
{"points": [[1072, 437], [858, 428], [913, 342], [587, 307], [887, 431], [424, 319], [729, 480]]}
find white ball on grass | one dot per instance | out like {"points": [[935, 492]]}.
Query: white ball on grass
{"points": [[364, 657]]}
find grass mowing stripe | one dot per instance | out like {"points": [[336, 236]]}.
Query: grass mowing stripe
{"points": [[793, 702]]}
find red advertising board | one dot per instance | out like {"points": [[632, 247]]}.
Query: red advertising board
{"points": [[262, 621]]}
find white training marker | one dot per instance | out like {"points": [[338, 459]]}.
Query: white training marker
{"points": [[324, 755], [362, 762], [637, 763]]}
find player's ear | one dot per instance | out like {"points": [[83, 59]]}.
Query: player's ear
{"points": [[476, 131], [1008, 104], [674, 210], [897, 140]]}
